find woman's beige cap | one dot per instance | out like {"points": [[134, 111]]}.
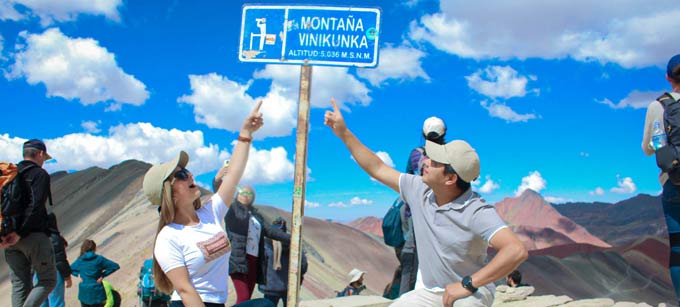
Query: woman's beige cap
{"points": [[157, 174]]}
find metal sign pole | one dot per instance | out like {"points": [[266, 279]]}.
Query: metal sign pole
{"points": [[300, 181]]}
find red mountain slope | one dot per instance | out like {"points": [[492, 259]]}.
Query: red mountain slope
{"points": [[539, 225], [370, 224]]}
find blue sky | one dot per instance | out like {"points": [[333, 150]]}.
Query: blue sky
{"points": [[552, 95]]}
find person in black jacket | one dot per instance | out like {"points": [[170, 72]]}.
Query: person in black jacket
{"points": [[28, 248], [246, 229], [277, 264], [59, 244]]}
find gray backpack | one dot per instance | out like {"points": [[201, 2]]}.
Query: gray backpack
{"points": [[668, 157]]}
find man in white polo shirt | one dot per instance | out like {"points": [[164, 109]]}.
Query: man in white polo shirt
{"points": [[453, 225]]}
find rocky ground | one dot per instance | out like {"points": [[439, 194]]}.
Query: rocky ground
{"points": [[505, 297], [515, 297]]}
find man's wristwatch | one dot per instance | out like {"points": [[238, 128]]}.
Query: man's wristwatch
{"points": [[467, 284]]}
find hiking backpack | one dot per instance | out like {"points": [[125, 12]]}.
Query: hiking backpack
{"points": [[391, 225], [15, 196], [668, 157], [415, 161], [146, 288]]}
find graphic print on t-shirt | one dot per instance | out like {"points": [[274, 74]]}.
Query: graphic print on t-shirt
{"points": [[214, 247]]}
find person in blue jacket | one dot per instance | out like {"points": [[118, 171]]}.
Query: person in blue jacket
{"points": [[92, 268]]}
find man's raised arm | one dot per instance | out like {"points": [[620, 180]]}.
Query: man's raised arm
{"points": [[367, 159]]}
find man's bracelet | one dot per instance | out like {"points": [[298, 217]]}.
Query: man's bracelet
{"points": [[244, 139]]}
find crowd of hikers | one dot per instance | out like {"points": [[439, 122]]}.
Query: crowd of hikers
{"points": [[437, 219]]}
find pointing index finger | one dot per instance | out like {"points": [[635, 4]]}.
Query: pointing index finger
{"points": [[257, 107], [335, 105]]}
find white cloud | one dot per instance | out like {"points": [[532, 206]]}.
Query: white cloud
{"points": [[624, 186], [10, 148], [327, 83], [534, 182], [385, 157], [75, 68], [8, 12], [556, 200], [144, 142], [50, 11], [411, 3], [488, 187], [338, 205], [635, 99], [311, 204], [584, 154], [268, 166], [502, 111], [498, 81], [630, 33], [400, 63], [222, 103], [356, 201], [353, 202], [141, 141], [597, 192], [91, 126]]}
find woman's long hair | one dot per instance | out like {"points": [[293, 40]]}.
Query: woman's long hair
{"points": [[167, 215], [87, 246]]}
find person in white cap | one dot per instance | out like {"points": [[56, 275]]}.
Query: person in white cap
{"points": [[191, 251], [453, 225], [356, 283], [434, 130]]}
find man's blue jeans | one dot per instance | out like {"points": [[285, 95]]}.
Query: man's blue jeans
{"points": [[670, 200]]}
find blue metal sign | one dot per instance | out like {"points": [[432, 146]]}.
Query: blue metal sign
{"points": [[336, 36]]}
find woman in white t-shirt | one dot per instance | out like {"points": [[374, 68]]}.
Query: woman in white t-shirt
{"points": [[191, 252]]}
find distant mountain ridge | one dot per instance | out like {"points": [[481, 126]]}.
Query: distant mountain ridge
{"points": [[620, 223]]}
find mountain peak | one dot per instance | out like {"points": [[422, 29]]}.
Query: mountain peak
{"points": [[521, 214], [529, 193]]}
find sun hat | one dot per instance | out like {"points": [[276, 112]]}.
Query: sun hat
{"points": [[355, 274], [157, 174]]}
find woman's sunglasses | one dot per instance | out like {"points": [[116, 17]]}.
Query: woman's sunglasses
{"points": [[182, 174], [245, 193]]}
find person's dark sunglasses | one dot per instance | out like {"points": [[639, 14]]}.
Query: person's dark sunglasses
{"points": [[182, 174]]}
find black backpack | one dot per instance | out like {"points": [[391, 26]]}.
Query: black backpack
{"points": [[15, 196], [668, 157]]}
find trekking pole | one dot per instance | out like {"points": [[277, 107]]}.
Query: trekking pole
{"points": [[300, 180]]}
